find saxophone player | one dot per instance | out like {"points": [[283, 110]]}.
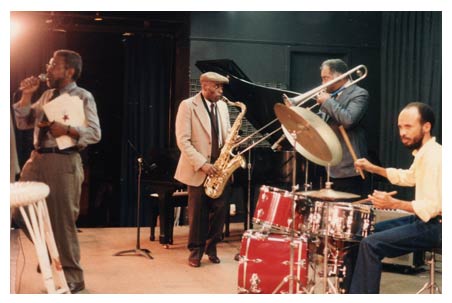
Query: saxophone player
{"points": [[202, 125]]}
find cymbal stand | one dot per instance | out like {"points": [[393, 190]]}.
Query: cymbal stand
{"points": [[138, 250], [291, 278], [307, 185], [327, 284]]}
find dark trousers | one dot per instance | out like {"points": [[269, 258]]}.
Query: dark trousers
{"points": [[392, 238], [206, 221]]}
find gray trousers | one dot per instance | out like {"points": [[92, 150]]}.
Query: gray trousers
{"points": [[64, 175]]}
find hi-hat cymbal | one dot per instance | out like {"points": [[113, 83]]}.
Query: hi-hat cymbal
{"points": [[328, 194], [315, 139]]}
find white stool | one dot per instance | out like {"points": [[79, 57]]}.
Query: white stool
{"points": [[29, 197]]}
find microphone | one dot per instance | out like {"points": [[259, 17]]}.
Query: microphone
{"points": [[42, 77], [277, 145]]}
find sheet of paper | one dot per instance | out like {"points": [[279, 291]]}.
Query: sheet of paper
{"points": [[67, 110]]}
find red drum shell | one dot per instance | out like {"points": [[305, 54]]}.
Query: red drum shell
{"points": [[265, 262], [274, 211]]}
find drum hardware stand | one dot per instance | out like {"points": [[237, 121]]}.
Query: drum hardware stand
{"points": [[291, 278], [137, 251], [328, 286], [307, 185]]}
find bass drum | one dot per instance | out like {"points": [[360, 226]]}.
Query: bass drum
{"points": [[264, 263]]}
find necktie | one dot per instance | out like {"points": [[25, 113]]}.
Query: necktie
{"points": [[43, 130], [214, 132]]}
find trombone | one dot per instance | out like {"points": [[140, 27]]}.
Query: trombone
{"points": [[361, 72]]}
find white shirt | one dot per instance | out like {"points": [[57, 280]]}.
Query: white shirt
{"points": [[425, 173]]}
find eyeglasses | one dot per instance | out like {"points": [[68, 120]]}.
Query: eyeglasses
{"points": [[53, 64]]}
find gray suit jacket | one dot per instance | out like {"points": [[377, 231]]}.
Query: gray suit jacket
{"points": [[193, 136], [348, 110]]}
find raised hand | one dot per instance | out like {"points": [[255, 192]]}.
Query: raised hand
{"points": [[29, 85]]}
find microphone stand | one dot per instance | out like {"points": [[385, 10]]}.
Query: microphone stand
{"points": [[247, 220], [248, 203], [138, 250]]}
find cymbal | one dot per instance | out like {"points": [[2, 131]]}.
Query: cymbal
{"points": [[328, 194], [315, 140]]}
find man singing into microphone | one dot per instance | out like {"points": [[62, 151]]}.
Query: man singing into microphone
{"points": [[60, 169]]}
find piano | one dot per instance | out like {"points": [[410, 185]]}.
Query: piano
{"points": [[160, 184], [268, 167]]}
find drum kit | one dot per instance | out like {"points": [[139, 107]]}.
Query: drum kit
{"points": [[300, 239]]}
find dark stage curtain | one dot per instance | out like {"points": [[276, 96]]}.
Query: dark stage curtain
{"points": [[147, 75], [411, 71]]}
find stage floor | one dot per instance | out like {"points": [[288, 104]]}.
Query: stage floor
{"points": [[167, 273]]}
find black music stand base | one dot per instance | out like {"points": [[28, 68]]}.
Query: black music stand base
{"points": [[137, 251]]}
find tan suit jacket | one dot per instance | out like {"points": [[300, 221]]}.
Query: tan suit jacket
{"points": [[193, 135]]}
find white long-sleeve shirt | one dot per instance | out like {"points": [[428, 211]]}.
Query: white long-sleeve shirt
{"points": [[425, 173]]}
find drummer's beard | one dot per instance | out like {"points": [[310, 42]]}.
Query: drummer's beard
{"points": [[415, 143]]}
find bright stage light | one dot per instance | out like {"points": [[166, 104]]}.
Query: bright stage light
{"points": [[15, 28]]}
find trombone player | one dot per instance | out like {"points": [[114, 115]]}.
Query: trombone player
{"points": [[344, 104]]}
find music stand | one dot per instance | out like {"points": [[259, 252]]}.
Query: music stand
{"points": [[137, 250]]}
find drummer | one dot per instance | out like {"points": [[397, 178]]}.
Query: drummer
{"points": [[346, 105], [423, 229]]}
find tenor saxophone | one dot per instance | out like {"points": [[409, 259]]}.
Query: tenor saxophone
{"points": [[227, 162]]}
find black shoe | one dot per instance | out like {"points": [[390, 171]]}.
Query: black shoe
{"points": [[237, 257], [214, 259], [194, 262], [75, 287]]}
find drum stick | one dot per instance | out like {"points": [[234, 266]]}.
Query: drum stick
{"points": [[392, 193], [361, 201], [350, 148]]}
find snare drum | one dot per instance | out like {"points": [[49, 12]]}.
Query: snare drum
{"points": [[274, 210], [344, 221], [264, 263]]}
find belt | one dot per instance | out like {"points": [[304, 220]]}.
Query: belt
{"points": [[56, 150]]}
